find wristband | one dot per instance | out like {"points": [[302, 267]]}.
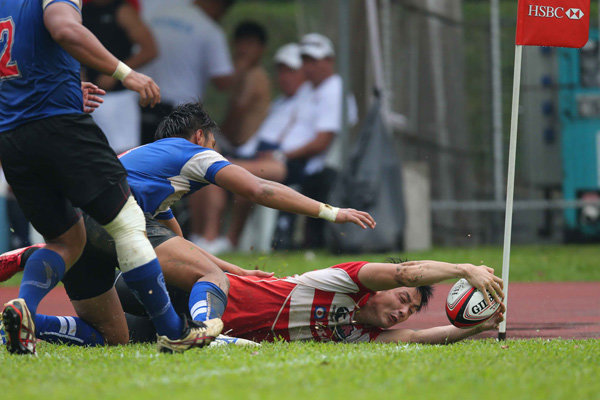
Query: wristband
{"points": [[328, 212], [122, 71]]}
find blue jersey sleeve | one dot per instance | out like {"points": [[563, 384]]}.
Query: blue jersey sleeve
{"points": [[203, 166]]}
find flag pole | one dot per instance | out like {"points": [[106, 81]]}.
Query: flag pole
{"points": [[510, 182]]}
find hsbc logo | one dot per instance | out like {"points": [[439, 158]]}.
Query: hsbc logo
{"points": [[554, 12], [574, 13]]}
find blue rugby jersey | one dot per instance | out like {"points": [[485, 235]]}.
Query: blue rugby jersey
{"points": [[38, 79], [162, 172]]}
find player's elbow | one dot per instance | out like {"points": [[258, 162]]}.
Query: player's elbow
{"points": [[260, 191], [406, 275]]}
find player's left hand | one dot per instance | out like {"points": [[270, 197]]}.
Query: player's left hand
{"points": [[360, 218], [492, 322], [90, 99]]}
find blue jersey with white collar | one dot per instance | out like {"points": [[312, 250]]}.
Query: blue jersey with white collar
{"points": [[162, 172], [38, 78]]}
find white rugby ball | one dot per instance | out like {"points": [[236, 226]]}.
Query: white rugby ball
{"points": [[465, 306]]}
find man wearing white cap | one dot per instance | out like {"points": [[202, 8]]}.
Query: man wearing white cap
{"points": [[280, 132], [320, 121]]}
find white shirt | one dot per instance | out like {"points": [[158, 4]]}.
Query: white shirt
{"points": [[192, 50], [322, 112]]}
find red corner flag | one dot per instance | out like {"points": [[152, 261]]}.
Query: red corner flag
{"points": [[557, 23]]}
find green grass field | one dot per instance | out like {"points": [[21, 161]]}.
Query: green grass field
{"points": [[534, 369]]}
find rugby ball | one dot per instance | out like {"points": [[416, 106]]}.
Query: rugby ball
{"points": [[465, 306]]}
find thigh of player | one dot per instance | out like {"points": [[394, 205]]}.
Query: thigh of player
{"points": [[182, 262]]}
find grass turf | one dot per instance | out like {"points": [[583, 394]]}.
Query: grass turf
{"points": [[535, 369]]}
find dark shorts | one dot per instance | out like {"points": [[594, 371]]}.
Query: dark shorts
{"points": [[94, 273], [58, 163]]}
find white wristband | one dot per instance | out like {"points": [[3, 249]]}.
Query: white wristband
{"points": [[122, 71], [328, 212]]}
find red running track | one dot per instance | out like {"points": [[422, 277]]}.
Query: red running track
{"points": [[535, 310]]}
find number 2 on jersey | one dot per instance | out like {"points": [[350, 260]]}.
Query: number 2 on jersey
{"points": [[8, 67]]}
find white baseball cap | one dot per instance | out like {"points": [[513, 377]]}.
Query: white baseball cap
{"points": [[289, 55], [316, 46]]}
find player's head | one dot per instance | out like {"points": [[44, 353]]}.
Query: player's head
{"points": [[249, 42], [387, 308], [318, 57], [189, 121], [290, 74]]}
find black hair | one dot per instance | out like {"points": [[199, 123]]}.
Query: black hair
{"points": [[184, 121], [426, 291], [250, 29]]}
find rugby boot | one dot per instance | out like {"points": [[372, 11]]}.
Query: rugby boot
{"points": [[195, 334], [10, 262], [19, 328], [224, 340]]}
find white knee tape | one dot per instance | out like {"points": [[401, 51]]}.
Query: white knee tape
{"points": [[128, 229]]}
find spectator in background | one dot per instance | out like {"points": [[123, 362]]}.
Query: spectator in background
{"points": [[117, 24], [192, 51], [320, 122], [251, 95], [279, 132]]}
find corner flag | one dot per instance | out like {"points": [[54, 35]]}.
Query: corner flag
{"points": [[557, 23]]}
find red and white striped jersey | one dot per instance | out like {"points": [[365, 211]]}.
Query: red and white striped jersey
{"points": [[317, 305]]}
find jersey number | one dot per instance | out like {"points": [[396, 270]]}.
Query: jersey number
{"points": [[8, 67]]}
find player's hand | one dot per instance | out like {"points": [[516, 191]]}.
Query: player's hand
{"points": [[90, 99], [255, 272], [360, 218], [492, 322], [483, 278], [148, 90]]}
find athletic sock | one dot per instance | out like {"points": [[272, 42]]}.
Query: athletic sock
{"points": [[66, 330], [148, 284], [207, 301], [43, 270]]}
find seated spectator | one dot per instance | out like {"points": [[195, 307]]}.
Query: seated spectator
{"points": [[279, 133], [320, 122], [251, 93], [118, 26]]}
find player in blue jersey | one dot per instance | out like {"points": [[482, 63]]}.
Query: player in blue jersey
{"points": [[180, 162], [55, 158]]}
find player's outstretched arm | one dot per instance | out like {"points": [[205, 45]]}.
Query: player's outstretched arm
{"points": [[438, 335], [63, 22], [383, 276], [275, 195]]}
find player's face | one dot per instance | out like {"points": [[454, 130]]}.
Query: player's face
{"points": [[390, 307]]}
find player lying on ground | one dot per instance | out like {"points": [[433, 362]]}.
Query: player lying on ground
{"points": [[180, 162], [350, 302]]}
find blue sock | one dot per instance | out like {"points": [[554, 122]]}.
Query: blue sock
{"points": [[66, 330], [207, 301], [148, 284], [43, 270]]}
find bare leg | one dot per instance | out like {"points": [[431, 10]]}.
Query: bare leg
{"points": [[264, 167], [105, 313], [184, 264]]}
